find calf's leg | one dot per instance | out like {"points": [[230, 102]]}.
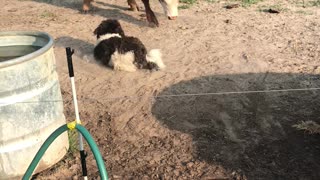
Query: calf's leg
{"points": [[150, 14], [86, 5], [133, 5]]}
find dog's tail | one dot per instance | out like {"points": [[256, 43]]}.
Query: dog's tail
{"points": [[155, 56]]}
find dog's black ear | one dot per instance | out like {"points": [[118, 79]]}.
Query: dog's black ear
{"points": [[119, 30], [116, 26], [95, 32], [108, 27]]}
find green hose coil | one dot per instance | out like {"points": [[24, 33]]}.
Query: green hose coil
{"points": [[93, 146]]}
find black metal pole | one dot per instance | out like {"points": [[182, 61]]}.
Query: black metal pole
{"points": [[83, 154]]}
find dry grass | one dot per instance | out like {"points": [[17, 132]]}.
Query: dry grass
{"points": [[308, 126]]}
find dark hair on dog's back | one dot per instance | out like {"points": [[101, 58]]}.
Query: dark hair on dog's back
{"points": [[122, 52], [109, 26]]}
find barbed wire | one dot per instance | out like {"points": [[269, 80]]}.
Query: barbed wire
{"points": [[87, 99]]}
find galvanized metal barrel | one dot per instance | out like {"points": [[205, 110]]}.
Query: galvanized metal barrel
{"points": [[31, 106]]}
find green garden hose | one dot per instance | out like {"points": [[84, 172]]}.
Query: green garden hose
{"points": [[58, 132]]}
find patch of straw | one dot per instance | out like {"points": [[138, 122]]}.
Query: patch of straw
{"points": [[308, 126]]}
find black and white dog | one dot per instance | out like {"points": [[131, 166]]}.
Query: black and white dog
{"points": [[121, 52]]}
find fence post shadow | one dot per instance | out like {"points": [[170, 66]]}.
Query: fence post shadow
{"points": [[83, 49]]}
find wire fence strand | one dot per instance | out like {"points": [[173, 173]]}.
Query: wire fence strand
{"points": [[90, 99]]}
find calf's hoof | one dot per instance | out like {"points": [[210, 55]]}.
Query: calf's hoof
{"points": [[153, 21]]}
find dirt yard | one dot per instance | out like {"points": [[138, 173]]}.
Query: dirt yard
{"points": [[208, 49]]}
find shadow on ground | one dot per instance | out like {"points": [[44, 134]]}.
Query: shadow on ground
{"points": [[83, 49], [250, 133], [115, 13]]}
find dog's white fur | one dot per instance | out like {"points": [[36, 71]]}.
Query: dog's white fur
{"points": [[155, 56], [125, 62], [107, 36]]}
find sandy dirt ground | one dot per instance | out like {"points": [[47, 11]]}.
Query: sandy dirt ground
{"points": [[208, 49]]}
